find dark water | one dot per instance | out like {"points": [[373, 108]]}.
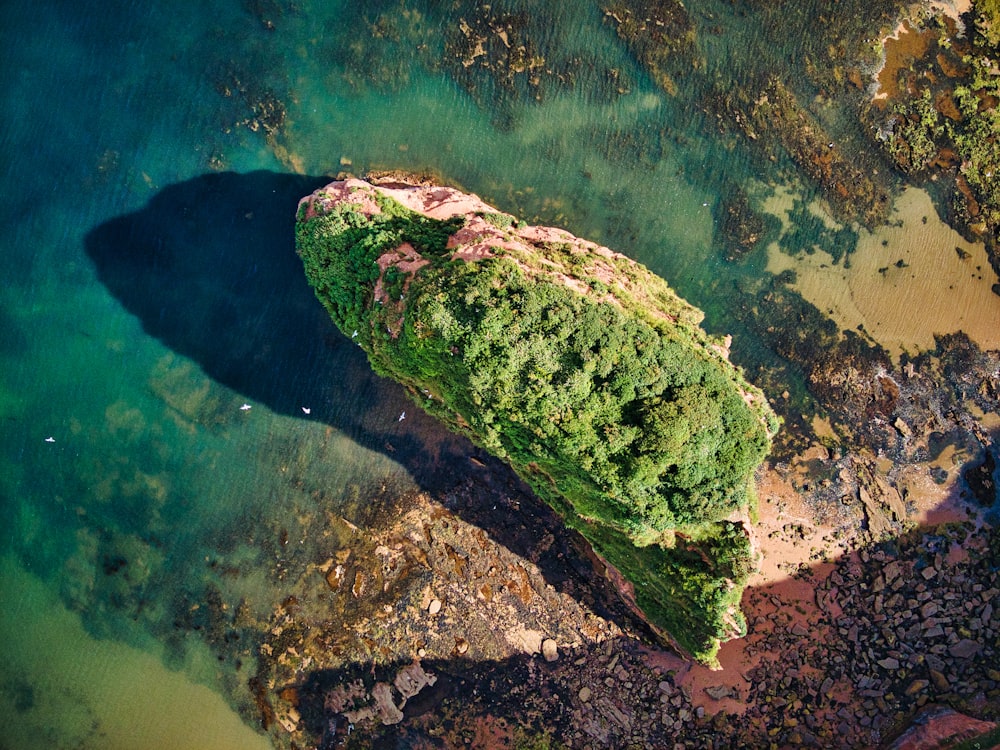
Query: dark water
{"points": [[150, 290]]}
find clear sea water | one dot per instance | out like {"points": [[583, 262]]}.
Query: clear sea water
{"points": [[150, 289]]}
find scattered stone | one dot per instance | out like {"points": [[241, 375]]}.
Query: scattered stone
{"points": [[334, 577], [549, 650], [388, 711], [360, 584], [412, 679], [584, 694], [434, 607], [888, 663]]}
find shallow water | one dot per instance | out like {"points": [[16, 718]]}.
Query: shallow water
{"points": [[150, 290]]}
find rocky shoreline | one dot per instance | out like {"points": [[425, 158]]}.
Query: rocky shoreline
{"points": [[467, 642], [476, 619], [875, 604]]}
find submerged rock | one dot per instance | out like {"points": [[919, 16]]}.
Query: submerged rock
{"points": [[577, 366]]}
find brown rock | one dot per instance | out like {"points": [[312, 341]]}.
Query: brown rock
{"points": [[940, 681], [412, 679], [388, 711], [334, 577], [718, 692], [917, 686]]}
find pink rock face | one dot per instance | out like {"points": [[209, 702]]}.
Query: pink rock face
{"points": [[478, 239], [939, 728], [343, 191], [436, 202]]}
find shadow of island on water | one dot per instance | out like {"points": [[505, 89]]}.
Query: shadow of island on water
{"points": [[209, 268]]}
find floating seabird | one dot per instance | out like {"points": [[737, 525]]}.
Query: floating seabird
{"points": [[246, 407], [306, 410], [401, 417], [50, 440]]}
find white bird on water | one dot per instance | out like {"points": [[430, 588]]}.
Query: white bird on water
{"points": [[50, 440], [246, 407], [401, 417], [306, 410]]}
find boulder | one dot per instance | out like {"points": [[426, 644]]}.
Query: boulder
{"points": [[938, 727]]}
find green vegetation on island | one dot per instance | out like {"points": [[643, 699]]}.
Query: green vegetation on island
{"points": [[581, 369]]}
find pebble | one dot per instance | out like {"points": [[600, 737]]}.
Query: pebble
{"points": [[434, 607], [550, 650], [718, 692], [917, 686], [584, 694], [940, 681]]}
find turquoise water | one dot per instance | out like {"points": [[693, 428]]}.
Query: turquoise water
{"points": [[150, 290]]}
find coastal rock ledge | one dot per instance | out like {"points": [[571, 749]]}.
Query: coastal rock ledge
{"points": [[577, 366]]}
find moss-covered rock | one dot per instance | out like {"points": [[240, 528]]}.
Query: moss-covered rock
{"points": [[579, 367]]}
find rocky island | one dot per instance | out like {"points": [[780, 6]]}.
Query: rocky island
{"points": [[577, 366]]}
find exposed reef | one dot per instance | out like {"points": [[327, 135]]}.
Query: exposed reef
{"points": [[574, 364], [659, 33], [771, 116], [934, 110]]}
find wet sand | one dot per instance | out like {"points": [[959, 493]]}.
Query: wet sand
{"points": [[789, 538], [794, 540], [905, 283]]}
